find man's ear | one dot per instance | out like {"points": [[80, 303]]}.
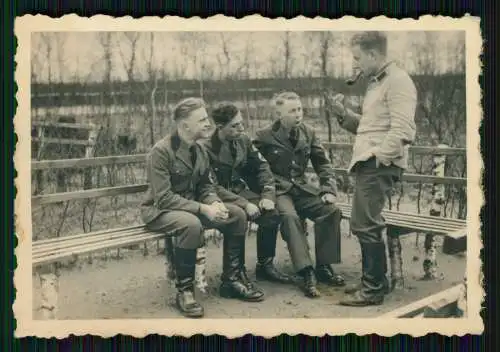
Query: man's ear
{"points": [[184, 125]]}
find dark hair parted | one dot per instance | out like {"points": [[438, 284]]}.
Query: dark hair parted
{"points": [[224, 113], [183, 108], [371, 40]]}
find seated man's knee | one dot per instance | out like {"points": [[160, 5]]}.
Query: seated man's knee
{"points": [[329, 212], [238, 219], [190, 231], [269, 219], [290, 216]]}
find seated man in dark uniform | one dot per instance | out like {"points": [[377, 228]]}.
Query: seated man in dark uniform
{"points": [[183, 199], [288, 145], [240, 168]]}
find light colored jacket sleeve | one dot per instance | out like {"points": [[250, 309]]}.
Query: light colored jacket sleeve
{"points": [[401, 98]]}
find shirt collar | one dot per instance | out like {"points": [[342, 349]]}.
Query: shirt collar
{"points": [[381, 73]]}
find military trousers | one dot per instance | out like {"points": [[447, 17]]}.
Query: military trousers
{"points": [[298, 204], [267, 233], [187, 228], [373, 186]]}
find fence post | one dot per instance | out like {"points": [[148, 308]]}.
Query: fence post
{"points": [[438, 198], [89, 153]]}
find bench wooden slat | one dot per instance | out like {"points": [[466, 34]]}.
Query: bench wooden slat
{"points": [[414, 178], [43, 249], [410, 221], [413, 149], [85, 235], [84, 142], [409, 311], [407, 215], [91, 193], [87, 162], [48, 259], [124, 159], [64, 125], [102, 245]]}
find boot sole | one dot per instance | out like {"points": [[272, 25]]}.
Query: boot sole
{"points": [[245, 299], [274, 281], [332, 284], [193, 315], [360, 304]]}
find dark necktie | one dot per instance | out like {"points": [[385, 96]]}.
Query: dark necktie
{"points": [[294, 136], [192, 151], [232, 148]]}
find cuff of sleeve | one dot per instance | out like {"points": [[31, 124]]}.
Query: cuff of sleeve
{"points": [[211, 198]]}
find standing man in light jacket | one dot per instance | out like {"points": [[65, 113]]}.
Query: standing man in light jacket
{"points": [[383, 131]]}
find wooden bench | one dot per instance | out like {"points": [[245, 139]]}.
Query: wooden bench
{"points": [[50, 251], [411, 222]]}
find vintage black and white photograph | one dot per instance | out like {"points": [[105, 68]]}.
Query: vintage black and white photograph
{"points": [[220, 172]]}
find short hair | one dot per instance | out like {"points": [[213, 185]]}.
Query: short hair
{"points": [[224, 113], [370, 40], [280, 98], [183, 108]]}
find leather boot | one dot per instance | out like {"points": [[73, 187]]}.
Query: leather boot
{"points": [[372, 290], [243, 273], [309, 283], [233, 285], [265, 270], [353, 288], [326, 275], [185, 261]]}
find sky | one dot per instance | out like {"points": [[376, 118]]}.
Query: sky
{"points": [[79, 56]]}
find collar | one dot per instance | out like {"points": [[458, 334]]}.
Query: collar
{"points": [[381, 73], [177, 143], [278, 125], [217, 142]]}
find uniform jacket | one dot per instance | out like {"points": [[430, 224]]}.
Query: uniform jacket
{"points": [[175, 184], [289, 164], [387, 125], [248, 169]]}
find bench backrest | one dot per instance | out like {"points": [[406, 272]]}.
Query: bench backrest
{"points": [[84, 163]]}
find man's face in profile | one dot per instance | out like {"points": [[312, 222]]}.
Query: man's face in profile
{"points": [[290, 113], [364, 61], [234, 128], [198, 124]]}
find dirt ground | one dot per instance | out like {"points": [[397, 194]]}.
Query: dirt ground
{"points": [[136, 286]]}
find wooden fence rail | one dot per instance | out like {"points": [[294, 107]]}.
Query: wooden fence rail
{"points": [[138, 158]]}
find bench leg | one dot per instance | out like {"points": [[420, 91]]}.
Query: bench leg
{"points": [[200, 268], [430, 261], [396, 262], [49, 284], [438, 197], [462, 300]]}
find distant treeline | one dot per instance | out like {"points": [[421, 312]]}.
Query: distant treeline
{"points": [[139, 93]]}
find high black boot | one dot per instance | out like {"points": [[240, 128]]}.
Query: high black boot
{"points": [[374, 278], [233, 283], [185, 261], [353, 288], [243, 272], [309, 282], [265, 270], [326, 275]]}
